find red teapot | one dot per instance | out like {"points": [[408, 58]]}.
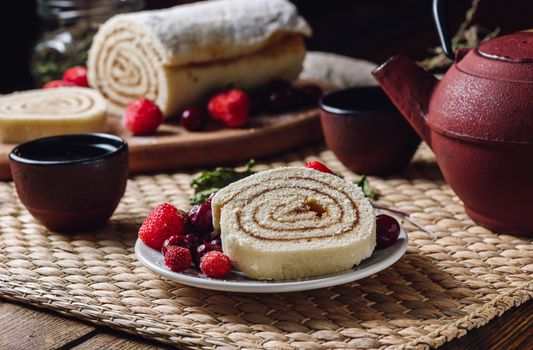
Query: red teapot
{"points": [[478, 120]]}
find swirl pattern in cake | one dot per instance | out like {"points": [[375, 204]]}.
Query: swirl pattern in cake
{"points": [[37, 113], [292, 223], [175, 56]]}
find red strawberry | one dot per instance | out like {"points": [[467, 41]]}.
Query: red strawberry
{"points": [[178, 259], [76, 75], [162, 223], [142, 117], [203, 249], [57, 83], [318, 166], [215, 264], [232, 108]]}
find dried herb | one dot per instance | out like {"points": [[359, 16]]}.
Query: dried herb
{"points": [[61, 49], [212, 181], [469, 35]]}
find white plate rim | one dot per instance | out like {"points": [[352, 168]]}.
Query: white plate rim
{"points": [[252, 286]]}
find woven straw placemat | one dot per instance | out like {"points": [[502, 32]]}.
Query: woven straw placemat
{"points": [[454, 277]]}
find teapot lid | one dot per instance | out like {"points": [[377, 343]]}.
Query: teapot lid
{"points": [[487, 95], [509, 57], [517, 48]]}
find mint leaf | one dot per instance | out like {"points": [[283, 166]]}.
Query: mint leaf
{"points": [[212, 181], [365, 186]]}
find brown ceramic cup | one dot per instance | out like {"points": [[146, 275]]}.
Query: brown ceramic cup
{"points": [[71, 183], [366, 132]]}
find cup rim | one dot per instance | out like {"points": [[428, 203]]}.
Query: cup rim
{"points": [[327, 107], [120, 144]]}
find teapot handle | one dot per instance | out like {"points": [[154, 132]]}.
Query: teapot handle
{"points": [[440, 15]]}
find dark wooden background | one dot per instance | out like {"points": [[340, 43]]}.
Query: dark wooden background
{"points": [[370, 29]]}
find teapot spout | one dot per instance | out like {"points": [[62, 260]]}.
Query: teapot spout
{"points": [[410, 88]]}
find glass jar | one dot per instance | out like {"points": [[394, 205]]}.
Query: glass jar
{"points": [[68, 30]]}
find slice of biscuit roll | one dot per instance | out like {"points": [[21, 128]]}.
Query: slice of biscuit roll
{"points": [[293, 223], [38, 113]]}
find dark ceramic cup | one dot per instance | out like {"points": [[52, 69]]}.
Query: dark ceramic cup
{"points": [[366, 132], [71, 183]]}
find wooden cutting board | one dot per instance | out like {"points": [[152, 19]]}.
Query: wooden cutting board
{"points": [[173, 147]]}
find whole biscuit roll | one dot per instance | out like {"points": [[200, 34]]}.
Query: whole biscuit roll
{"points": [[178, 56]]}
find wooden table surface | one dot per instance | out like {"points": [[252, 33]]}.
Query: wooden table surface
{"points": [[24, 328]]}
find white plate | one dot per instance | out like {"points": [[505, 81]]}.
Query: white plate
{"points": [[237, 282]]}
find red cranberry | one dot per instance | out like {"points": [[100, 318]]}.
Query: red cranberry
{"points": [[173, 241], [216, 241], [201, 218], [194, 119], [278, 84], [203, 249], [279, 101], [191, 241], [387, 231], [296, 97], [311, 94]]}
